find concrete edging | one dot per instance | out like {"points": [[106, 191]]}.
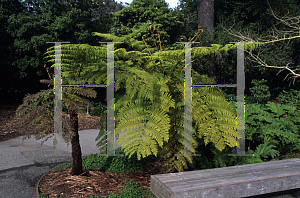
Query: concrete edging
{"points": [[38, 183]]}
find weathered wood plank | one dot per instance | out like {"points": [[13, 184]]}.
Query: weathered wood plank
{"points": [[229, 182]]}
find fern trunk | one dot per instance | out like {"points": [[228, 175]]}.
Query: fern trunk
{"points": [[76, 149]]}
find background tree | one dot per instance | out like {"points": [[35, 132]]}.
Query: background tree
{"points": [[276, 37], [7, 77], [43, 21], [243, 15], [254, 23], [206, 20], [206, 14], [102, 13], [157, 13]]}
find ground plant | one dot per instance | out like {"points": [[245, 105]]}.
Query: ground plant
{"points": [[269, 132], [115, 164], [292, 96], [259, 91]]}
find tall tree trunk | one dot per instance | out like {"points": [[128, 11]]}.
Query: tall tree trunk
{"points": [[206, 14], [206, 19], [76, 149]]}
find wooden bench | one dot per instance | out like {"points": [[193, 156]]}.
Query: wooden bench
{"points": [[230, 182]]}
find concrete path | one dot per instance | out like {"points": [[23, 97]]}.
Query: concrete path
{"points": [[22, 163]]}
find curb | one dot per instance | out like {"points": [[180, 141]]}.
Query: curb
{"points": [[38, 183]]}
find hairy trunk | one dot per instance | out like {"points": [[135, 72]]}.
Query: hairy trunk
{"points": [[76, 150]]}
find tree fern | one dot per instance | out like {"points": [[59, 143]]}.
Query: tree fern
{"points": [[37, 115], [154, 98]]}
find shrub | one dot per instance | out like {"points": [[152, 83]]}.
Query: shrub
{"points": [[292, 96], [232, 98], [64, 108], [260, 91], [112, 163], [99, 108]]}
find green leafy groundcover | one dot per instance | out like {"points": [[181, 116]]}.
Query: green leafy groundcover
{"points": [[274, 127], [115, 164], [267, 124]]}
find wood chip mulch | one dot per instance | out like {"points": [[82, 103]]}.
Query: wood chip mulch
{"points": [[94, 182], [9, 130]]}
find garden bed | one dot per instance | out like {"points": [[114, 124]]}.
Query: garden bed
{"points": [[59, 183]]}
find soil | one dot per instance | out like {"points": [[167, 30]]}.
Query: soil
{"points": [[60, 183], [9, 129]]}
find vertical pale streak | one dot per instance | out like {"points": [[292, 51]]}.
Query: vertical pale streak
{"points": [[240, 151], [110, 100], [188, 147], [187, 102], [240, 98], [110, 97], [57, 89]]}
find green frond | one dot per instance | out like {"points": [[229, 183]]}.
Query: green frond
{"points": [[157, 126], [253, 45], [126, 39], [120, 53], [216, 119], [226, 48], [136, 81], [109, 37], [216, 46]]}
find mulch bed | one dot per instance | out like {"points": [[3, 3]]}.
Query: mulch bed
{"points": [[9, 130], [94, 182]]}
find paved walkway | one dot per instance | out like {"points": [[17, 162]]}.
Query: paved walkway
{"points": [[22, 163]]}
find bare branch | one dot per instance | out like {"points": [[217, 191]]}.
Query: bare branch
{"points": [[277, 35]]}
